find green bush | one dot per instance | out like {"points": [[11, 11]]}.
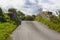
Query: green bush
{"points": [[8, 22], [29, 18], [55, 25], [5, 29]]}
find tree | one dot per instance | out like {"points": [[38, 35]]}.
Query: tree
{"points": [[13, 14], [28, 17], [1, 12], [33, 16], [1, 16], [21, 16], [12, 11], [59, 13]]}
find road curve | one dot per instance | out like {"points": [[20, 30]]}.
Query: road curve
{"points": [[31, 30]]}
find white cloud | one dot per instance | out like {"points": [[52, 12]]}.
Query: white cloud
{"points": [[56, 2], [13, 3], [32, 6]]}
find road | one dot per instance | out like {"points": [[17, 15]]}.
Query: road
{"points": [[32, 30]]}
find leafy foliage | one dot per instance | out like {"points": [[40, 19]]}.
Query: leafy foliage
{"points": [[21, 16], [8, 23], [29, 18], [53, 22], [5, 29], [13, 14], [1, 16]]}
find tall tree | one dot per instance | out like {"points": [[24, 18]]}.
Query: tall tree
{"points": [[1, 15], [1, 12], [21, 16], [13, 14]]}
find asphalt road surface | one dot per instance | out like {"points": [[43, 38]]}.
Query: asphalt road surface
{"points": [[31, 30]]}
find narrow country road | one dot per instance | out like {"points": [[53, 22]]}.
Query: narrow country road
{"points": [[31, 30]]}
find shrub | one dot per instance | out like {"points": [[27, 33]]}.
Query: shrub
{"points": [[5, 29], [53, 24]]}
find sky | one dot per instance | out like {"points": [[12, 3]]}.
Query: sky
{"points": [[30, 7]]}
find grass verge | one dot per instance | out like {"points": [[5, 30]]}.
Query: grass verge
{"points": [[5, 29], [50, 24]]}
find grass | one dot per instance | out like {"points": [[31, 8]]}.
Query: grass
{"points": [[50, 24], [5, 29]]}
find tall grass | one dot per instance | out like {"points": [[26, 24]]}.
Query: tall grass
{"points": [[5, 29], [49, 23]]}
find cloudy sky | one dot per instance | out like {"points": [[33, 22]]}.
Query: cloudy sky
{"points": [[30, 6]]}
